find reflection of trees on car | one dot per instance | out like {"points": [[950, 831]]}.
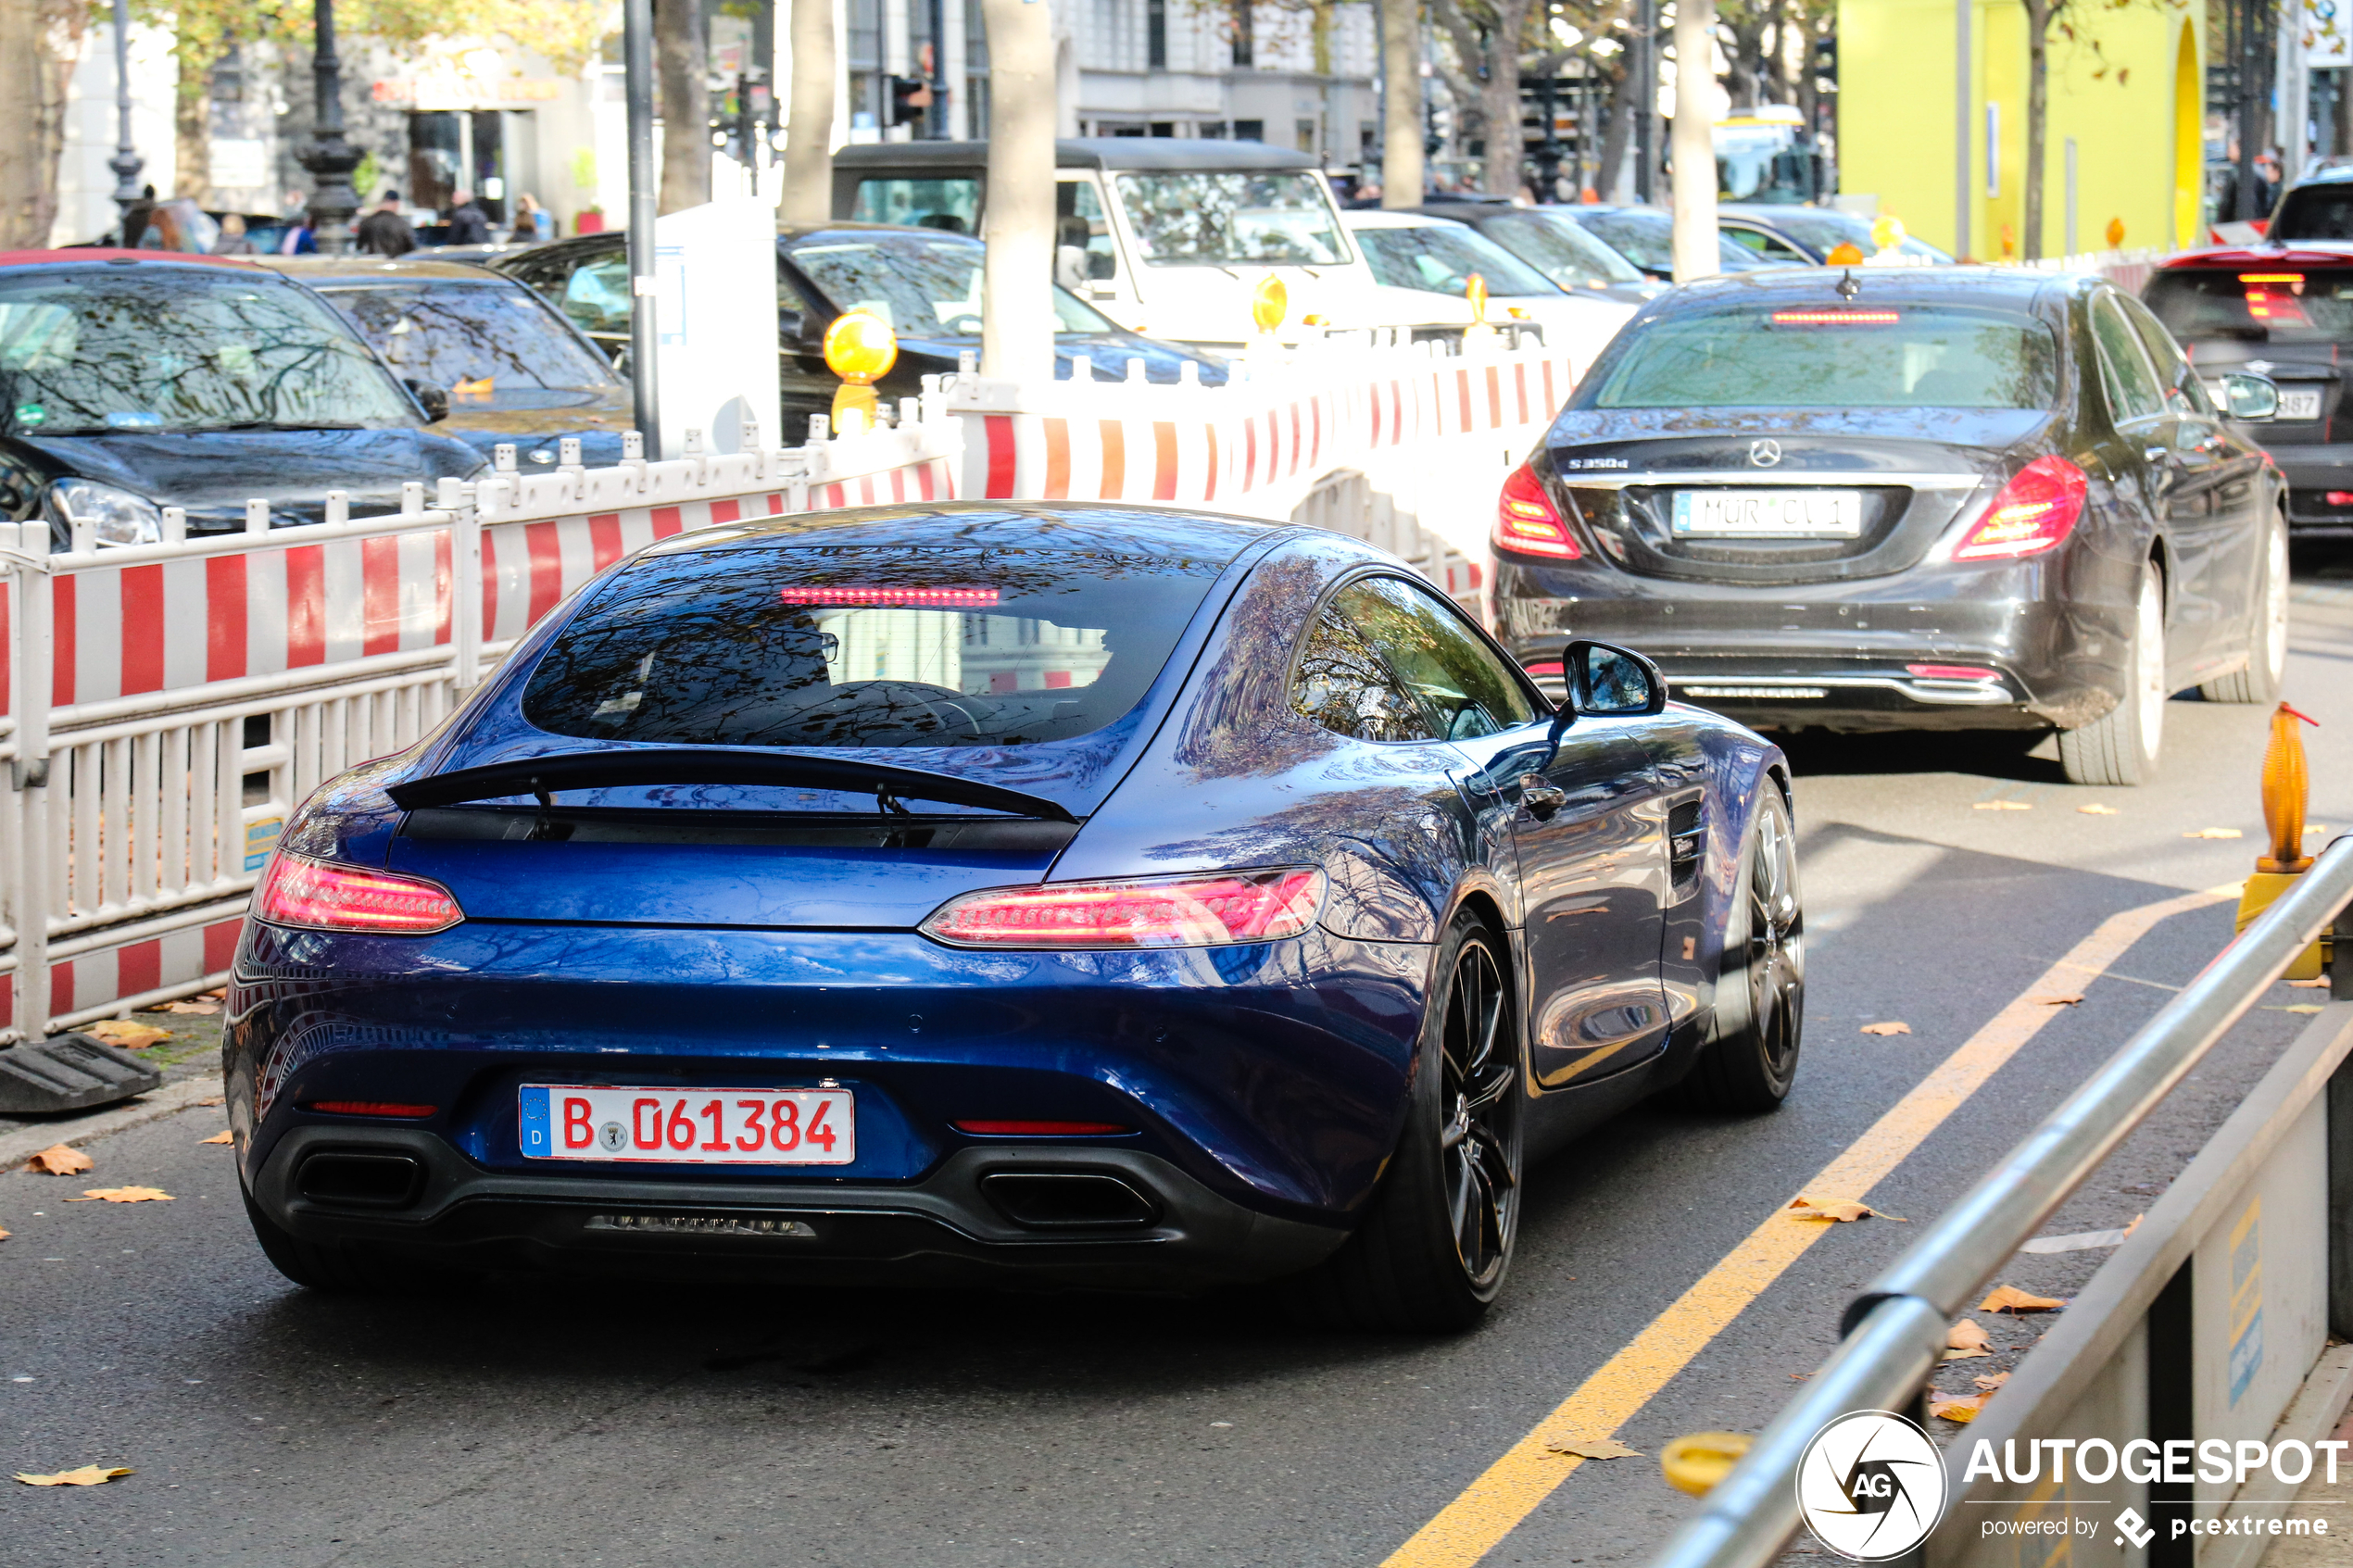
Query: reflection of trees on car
{"points": [[468, 335], [1196, 217], [97, 352]]}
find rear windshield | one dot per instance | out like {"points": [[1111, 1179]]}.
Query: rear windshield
{"points": [[1441, 260], [2254, 304], [1561, 251], [1815, 356], [2314, 212], [862, 645]]}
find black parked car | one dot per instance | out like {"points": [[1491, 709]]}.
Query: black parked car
{"points": [[1803, 236], [513, 368], [926, 282], [1958, 498], [2286, 314], [135, 381]]}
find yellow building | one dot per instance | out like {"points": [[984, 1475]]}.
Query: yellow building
{"points": [[2126, 111]]}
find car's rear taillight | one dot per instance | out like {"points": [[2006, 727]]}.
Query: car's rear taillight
{"points": [[2034, 512], [318, 895], [1177, 911], [1526, 520]]}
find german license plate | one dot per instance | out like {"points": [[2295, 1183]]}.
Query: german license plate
{"points": [[2304, 404], [680, 1128], [1768, 514]]}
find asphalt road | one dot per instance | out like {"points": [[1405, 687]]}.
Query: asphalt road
{"points": [[536, 1424]]}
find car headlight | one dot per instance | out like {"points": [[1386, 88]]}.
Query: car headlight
{"points": [[116, 517]]}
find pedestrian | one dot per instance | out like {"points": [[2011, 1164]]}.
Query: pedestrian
{"points": [[232, 241], [384, 232], [533, 223], [468, 225], [298, 239], [1367, 194]]}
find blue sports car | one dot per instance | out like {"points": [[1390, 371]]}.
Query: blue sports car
{"points": [[1097, 893]]}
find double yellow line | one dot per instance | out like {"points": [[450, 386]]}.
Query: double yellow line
{"points": [[1492, 1506]]}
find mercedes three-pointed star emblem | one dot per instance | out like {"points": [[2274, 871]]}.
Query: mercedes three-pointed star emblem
{"points": [[1763, 454]]}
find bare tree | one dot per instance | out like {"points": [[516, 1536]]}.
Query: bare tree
{"points": [[1400, 183], [809, 133], [38, 41], [1017, 329], [681, 68], [1486, 39]]}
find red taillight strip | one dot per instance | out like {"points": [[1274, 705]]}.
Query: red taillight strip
{"points": [[319, 896], [2036, 510], [1203, 911], [1041, 1129], [1527, 520], [370, 1108]]}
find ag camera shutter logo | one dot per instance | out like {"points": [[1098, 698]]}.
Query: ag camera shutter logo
{"points": [[1871, 1485]]}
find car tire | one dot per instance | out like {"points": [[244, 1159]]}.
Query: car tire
{"points": [[1435, 1241], [1750, 1060], [2121, 746], [340, 1270], [2266, 669]]}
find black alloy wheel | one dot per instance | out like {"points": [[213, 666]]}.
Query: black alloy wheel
{"points": [[1435, 1243], [1761, 989]]}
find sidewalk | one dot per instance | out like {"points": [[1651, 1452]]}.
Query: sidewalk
{"points": [[190, 1062], [2321, 1499]]}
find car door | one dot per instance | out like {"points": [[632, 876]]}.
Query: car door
{"points": [[1588, 851], [1768, 246], [2145, 429]]}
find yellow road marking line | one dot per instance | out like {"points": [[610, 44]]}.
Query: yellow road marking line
{"points": [[1492, 1506]]}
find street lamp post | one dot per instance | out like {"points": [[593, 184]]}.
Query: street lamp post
{"points": [[126, 163], [329, 157]]}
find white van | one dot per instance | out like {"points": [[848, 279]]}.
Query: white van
{"points": [[1164, 236]]}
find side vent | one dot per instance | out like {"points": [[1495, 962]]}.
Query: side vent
{"points": [[1686, 847]]}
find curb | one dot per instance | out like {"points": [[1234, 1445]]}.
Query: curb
{"points": [[22, 1143]]}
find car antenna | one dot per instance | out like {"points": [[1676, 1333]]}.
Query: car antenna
{"points": [[887, 803], [547, 805], [1847, 285]]}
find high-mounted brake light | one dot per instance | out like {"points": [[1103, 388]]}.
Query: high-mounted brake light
{"points": [[911, 599], [1526, 520], [2295, 279], [1836, 317], [2034, 512], [316, 896], [1177, 911]]}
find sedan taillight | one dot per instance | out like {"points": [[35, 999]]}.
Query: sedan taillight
{"points": [[318, 895], [1526, 520], [1176, 911], [2036, 510]]}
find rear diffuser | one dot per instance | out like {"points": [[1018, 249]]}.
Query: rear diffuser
{"points": [[68, 1072]]}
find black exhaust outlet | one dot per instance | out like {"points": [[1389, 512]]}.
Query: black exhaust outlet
{"points": [[1066, 1199], [351, 1179]]}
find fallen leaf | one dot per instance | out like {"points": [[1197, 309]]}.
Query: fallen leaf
{"points": [[1967, 1355], [216, 994], [1959, 1409], [1840, 1208], [224, 1136], [1597, 1447], [88, 1475], [2002, 805], [2099, 810], [123, 1195], [1990, 1383], [2215, 833], [2320, 984], [1968, 1334], [3, 1235], [201, 1010], [2296, 1006], [1887, 1028], [2059, 1000], [217, 1099], [59, 1161], [126, 1033], [2010, 1298]]}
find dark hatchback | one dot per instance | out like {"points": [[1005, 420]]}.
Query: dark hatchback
{"points": [[926, 282], [2286, 314], [1965, 498], [130, 383], [512, 368]]}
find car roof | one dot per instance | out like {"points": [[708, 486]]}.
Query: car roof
{"points": [[605, 238], [1084, 152], [95, 254], [323, 270], [1003, 524], [2018, 286], [2295, 253], [1370, 218]]}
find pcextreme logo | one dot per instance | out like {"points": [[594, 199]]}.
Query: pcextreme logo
{"points": [[1870, 1485]]}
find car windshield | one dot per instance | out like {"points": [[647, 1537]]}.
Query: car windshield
{"points": [[922, 287], [2255, 303], [490, 345], [104, 348], [1824, 231], [1561, 251], [1647, 239], [1196, 217], [1440, 259], [862, 645], [950, 204], [1832, 357], [2315, 212]]}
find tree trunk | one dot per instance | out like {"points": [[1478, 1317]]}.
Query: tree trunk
{"points": [[1499, 98], [1618, 133], [33, 37], [191, 126], [685, 103], [1401, 168], [1693, 141], [809, 133], [2038, 104], [1017, 278]]}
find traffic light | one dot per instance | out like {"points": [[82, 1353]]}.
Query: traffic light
{"points": [[910, 97]]}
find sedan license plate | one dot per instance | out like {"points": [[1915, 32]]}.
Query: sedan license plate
{"points": [[682, 1128], [2303, 404], [1768, 514]]}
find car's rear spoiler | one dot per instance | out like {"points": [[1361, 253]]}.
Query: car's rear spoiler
{"points": [[541, 776]]}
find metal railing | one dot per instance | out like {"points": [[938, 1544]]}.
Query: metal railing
{"points": [[1895, 1330]]}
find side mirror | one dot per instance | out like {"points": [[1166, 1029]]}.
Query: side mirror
{"points": [[2249, 398], [792, 328], [435, 400], [1608, 681]]}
